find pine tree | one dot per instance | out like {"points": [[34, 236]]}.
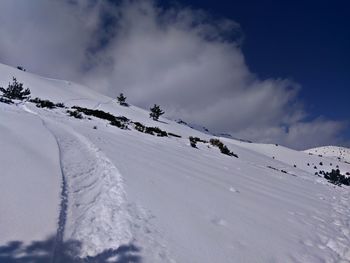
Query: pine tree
{"points": [[122, 100], [15, 91], [156, 112]]}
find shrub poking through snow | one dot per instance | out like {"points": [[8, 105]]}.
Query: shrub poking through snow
{"points": [[174, 135], [223, 148], [60, 105], [335, 177], [139, 127], [46, 103], [6, 100], [194, 140], [120, 122], [15, 91], [75, 114], [156, 131], [150, 130], [122, 100], [156, 112]]}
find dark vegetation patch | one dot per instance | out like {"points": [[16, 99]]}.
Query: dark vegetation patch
{"points": [[194, 140], [335, 177], [174, 135], [75, 114], [46, 103], [15, 91], [223, 148], [273, 168], [182, 122], [150, 130], [120, 122], [6, 100]]}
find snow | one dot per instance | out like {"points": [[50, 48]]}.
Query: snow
{"points": [[30, 178], [333, 152], [128, 196]]}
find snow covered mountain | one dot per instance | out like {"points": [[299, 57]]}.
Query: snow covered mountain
{"points": [[334, 152], [100, 183]]}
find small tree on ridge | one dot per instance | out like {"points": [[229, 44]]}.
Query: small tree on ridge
{"points": [[122, 100], [156, 112], [15, 91]]}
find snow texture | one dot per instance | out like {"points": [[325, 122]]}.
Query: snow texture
{"points": [[82, 190]]}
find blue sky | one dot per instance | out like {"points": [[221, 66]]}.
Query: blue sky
{"points": [[307, 41]]}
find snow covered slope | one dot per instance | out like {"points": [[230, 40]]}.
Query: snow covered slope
{"points": [[334, 152], [83, 190]]}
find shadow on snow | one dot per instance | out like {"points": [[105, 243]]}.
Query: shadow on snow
{"points": [[43, 251]]}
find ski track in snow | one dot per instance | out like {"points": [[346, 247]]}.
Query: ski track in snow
{"points": [[97, 215], [93, 209]]}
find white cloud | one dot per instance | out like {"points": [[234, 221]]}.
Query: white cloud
{"points": [[179, 58]]}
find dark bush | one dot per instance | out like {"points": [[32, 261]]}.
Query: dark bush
{"points": [[193, 142], [60, 105], [139, 127], [6, 100], [150, 130], [46, 103], [197, 139], [182, 122], [156, 131], [321, 163], [75, 114], [43, 103], [273, 168], [120, 122], [174, 135], [335, 177], [223, 148], [15, 91]]}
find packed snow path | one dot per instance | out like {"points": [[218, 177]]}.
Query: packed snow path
{"points": [[96, 212]]}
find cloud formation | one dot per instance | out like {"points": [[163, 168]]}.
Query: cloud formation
{"points": [[182, 59]]}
